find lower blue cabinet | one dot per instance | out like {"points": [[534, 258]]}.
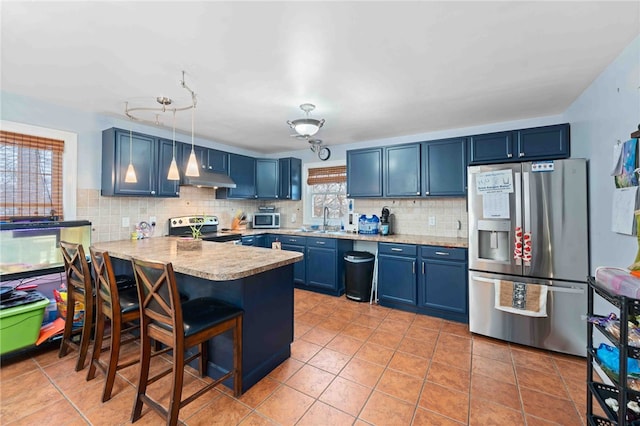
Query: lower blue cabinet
{"points": [[442, 286], [397, 276]]}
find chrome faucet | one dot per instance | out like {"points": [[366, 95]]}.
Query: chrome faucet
{"points": [[325, 214]]}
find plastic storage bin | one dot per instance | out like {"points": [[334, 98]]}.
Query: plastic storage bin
{"points": [[20, 325], [358, 274]]}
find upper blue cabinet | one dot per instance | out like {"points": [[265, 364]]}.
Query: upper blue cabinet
{"points": [[364, 172], [290, 178], [538, 143], [444, 168], [267, 177], [242, 170], [402, 170], [150, 157]]}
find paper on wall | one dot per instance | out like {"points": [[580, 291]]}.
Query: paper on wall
{"points": [[622, 210], [617, 160]]}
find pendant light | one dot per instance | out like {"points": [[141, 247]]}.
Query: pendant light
{"points": [[174, 174], [130, 177], [192, 165]]}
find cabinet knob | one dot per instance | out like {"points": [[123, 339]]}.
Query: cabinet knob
{"points": [[348, 195], [417, 193], [426, 192], [509, 155], [521, 154], [210, 167], [153, 192], [276, 196]]}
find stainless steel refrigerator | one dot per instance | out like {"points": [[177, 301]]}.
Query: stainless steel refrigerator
{"points": [[529, 253]]}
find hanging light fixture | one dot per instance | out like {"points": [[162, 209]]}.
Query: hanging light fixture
{"points": [[192, 164], [130, 176], [306, 126], [174, 174], [165, 106]]}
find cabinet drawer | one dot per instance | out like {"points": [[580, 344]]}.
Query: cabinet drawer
{"points": [[444, 253], [397, 249], [321, 242], [293, 239]]}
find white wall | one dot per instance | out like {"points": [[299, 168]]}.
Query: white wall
{"points": [[607, 111]]}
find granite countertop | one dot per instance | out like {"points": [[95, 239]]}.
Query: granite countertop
{"points": [[427, 240], [215, 261]]}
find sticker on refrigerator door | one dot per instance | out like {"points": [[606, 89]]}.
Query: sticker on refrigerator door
{"points": [[497, 182], [542, 166]]}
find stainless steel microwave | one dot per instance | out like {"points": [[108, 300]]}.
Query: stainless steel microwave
{"points": [[263, 220]]}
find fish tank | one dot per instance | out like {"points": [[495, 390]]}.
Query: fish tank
{"points": [[33, 248]]}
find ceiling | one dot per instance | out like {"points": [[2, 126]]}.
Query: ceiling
{"points": [[373, 69]]}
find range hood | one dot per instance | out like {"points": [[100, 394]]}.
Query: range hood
{"points": [[209, 180]]}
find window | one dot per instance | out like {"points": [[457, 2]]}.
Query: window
{"points": [[328, 188], [30, 175]]}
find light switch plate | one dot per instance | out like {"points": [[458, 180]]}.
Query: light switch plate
{"points": [[432, 221], [125, 222]]}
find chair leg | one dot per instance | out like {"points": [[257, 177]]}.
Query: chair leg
{"points": [[202, 359], [97, 346], [113, 359], [86, 334], [145, 361], [68, 327], [176, 391], [237, 358]]}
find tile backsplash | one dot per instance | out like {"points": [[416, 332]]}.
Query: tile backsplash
{"points": [[106, 213]]}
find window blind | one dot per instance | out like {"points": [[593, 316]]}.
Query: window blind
{"points": [[335, 174], [30, 175]]}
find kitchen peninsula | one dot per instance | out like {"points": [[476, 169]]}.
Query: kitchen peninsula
{"points": [[258, 280]]}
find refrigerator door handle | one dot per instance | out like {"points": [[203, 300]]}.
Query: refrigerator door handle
{"points": [[517, 235], [528, 243]]}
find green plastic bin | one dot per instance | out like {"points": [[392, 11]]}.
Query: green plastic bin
{"points": [[20, 325]]}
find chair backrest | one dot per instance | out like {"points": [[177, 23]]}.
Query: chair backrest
{"points": [[158, 295], [76, 268], [106, 287]]}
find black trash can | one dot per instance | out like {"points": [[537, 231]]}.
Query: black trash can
{"points": [[358, 274]]}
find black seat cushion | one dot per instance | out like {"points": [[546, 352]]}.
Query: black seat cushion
{"points": [[204, 312], [128, 300]]}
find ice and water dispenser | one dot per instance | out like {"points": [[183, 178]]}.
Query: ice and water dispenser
{"points": [[494, 237]]}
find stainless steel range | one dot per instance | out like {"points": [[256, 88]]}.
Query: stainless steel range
{"points": [[181, 226]]}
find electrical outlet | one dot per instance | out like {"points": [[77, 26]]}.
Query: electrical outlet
{"points": [[152, 219], [125, 222], [432, 221], [293, 218]]}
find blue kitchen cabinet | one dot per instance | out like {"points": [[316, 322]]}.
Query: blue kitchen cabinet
{"points": [[242, 170], [267, 182], [249, 240], [299, 244], [290, 178], [166, 187], [119, 147], [364, 172], [397, 278], [538, 143], [541, 143], [402, 170], [325, 264], [491, 148], [444, 167], [442, 283], [209, 160]]}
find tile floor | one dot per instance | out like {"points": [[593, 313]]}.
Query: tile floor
{"points": [[351, 363]]}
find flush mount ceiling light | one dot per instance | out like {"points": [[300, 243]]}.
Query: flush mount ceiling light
{"points": [[166, 107], [306, 126]]}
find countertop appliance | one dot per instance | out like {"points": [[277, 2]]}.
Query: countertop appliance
{"points": [[181, 226], [529, 246], [266, 220]]}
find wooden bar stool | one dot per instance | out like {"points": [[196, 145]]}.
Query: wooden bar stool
{"points": [[121, 308], [180, 327], [79, 289]]}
